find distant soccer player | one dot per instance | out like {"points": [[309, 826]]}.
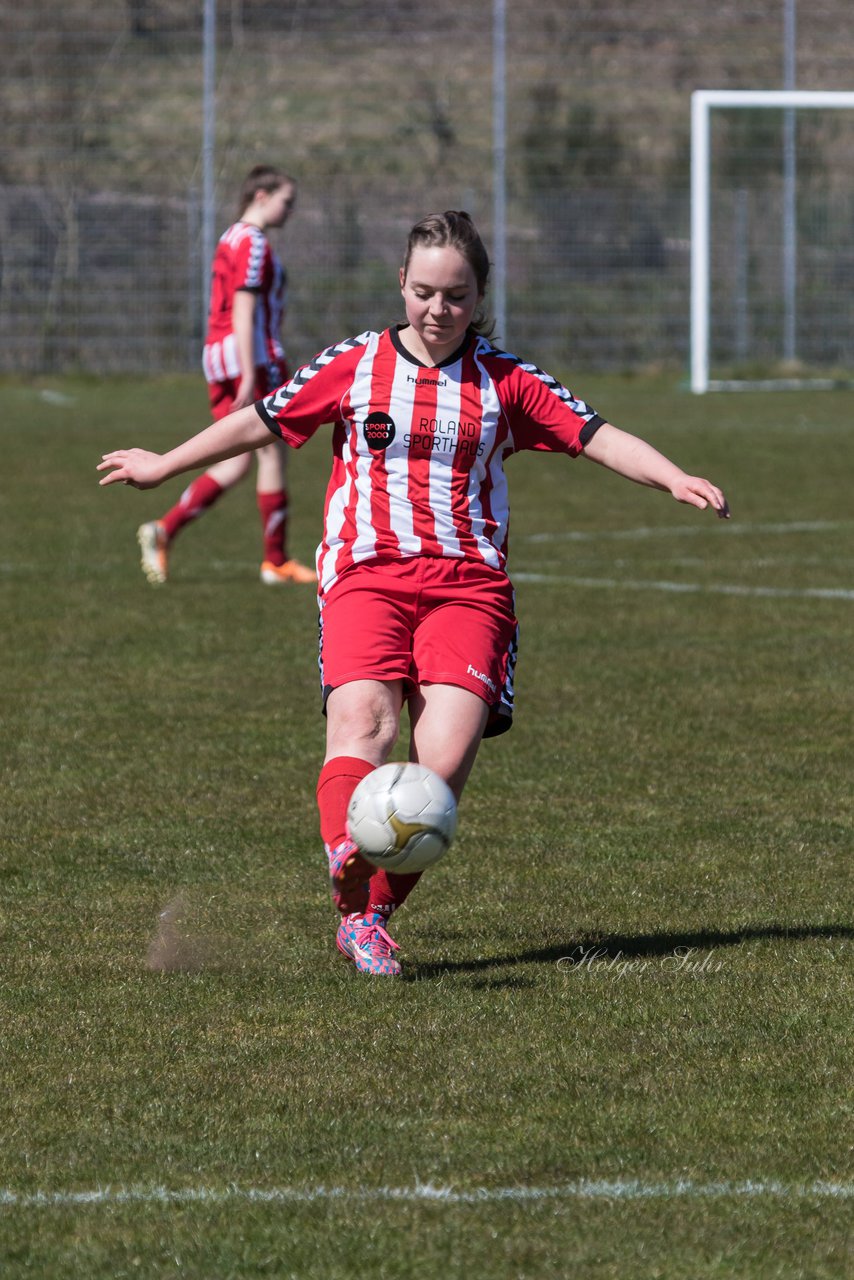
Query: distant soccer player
{"points": [[243, 360], [415, 601]]}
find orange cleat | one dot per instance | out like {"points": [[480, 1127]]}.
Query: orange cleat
{"points": [[154, 549], [290, 571]]}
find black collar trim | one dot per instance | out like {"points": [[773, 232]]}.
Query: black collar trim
{"points": [[394, 334]]}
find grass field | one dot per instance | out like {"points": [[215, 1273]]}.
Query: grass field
{"points": [[622, 1047]]}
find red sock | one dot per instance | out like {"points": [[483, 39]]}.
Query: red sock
{"points": [[195, 499], [389, 890], [274, 521], [336, 784]]}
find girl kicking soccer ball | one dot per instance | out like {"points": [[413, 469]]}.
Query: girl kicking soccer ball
{"points": [[415, 603]]}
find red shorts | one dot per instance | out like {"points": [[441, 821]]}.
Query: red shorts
{"points": [[221, 394], [423, 620]]}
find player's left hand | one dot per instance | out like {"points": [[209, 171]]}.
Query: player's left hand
{"points": [[701, 493], [136, 467]]}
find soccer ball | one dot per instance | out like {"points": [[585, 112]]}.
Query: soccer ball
{"points": [[402, 817]]}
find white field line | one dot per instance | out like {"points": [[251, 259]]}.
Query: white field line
{"points": [[584, 1189], [681, 531], [713, 588], [730, 529]]}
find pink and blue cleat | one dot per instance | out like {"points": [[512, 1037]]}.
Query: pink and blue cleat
{"points": [[349, 874], [364, 940]]}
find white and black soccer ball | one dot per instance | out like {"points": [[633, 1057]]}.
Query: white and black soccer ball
{"points": [[402, 817]]}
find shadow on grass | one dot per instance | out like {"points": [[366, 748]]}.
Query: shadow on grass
{"points": [[627, 947]]}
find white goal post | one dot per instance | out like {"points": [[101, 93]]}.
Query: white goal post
{"points": [[703, 101]]}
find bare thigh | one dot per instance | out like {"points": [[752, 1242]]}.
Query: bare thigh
{"points": [[447, 725]]}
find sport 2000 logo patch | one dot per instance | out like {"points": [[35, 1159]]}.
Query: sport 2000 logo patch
{"points": [[379, 431]]}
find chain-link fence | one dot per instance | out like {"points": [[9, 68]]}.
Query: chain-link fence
{"points": [[384, 113]]}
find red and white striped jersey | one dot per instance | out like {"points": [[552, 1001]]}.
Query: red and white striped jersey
{"points": [[418, 452], [244, 259]]}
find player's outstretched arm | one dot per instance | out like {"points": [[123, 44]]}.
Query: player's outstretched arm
{"points": [[633, 458], [238, 433]]}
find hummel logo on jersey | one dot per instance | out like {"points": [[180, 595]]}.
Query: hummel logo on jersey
{"points": [[379, 431], [426, 382], [478, 675]]}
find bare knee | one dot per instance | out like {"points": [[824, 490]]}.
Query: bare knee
{"points": [[362, 721], [272, 462], [231, 470]]}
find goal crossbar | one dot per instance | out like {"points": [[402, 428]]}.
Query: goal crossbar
{"points": [[703, 101]]}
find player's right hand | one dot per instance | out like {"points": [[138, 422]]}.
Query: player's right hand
{"points": [[245, 394], [136, 467]]}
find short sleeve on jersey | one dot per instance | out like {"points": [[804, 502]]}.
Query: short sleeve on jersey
{"points": [[543, 413], [252, 255], [314, 394]]}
